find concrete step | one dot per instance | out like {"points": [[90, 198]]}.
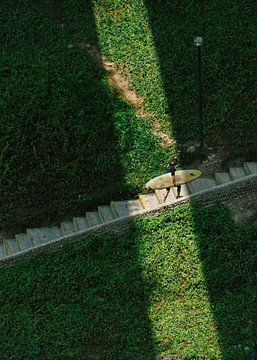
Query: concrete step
{"points": [[149, 201], [55, 232], [3, 252], [24, 241], [237, 172], [68, 228], [185, 191], [250, 168], [12, 246], [201, 184], [160, 194], [80, 223], [106, 213], [39, 236], [126, 207], [93, 218], [222, 178], [172, 195]]}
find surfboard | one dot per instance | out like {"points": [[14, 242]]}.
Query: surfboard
{"points": [[165, 181]]}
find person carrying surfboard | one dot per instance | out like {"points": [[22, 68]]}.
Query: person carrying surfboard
{"points": [[171, 168]]}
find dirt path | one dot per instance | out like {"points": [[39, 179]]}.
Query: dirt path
{"points": [[119, 82], [115, 77]]}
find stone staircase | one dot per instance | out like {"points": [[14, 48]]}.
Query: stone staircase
{"points": [[36, 237]]}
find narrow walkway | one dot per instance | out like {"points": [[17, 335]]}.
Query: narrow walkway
{"points": [[36, 237]]}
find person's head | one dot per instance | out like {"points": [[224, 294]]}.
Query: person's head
{"points": [[174, 161]]}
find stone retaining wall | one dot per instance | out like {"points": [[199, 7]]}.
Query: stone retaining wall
{"points": [[239, 196]]}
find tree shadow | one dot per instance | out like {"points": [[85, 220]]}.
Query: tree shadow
{"points": [[88, 301], [173, 38], [228, 257], [230, 275], [67, 136], [227, 34], [70, 145]]}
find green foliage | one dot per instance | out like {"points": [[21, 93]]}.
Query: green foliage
{"points": [[75, 304], [68, 141], [153, 42], [183, 284], [201, 269]]}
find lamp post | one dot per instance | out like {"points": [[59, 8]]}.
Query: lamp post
{"points": [[198, 41]]}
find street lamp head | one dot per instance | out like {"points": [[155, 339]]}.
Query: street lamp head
{"points": [[198, 41]]}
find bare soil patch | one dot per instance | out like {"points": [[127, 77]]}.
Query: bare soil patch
{"points": [[118, 81], [116, 77]]}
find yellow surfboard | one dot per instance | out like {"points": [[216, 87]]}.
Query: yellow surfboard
{"points": [[165, 181]]}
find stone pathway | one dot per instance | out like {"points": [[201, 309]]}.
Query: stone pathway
{"points": [[36, 237]]}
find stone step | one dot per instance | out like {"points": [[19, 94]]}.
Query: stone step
{"points": [[106, 213], [185, 191], [126, 207], [201, 184], [250, 168], [237, 172], [80, 223], [172, 195], [12, 246], [93, 218], [3, 252], [222, 178], [160, 194], [149, 201], [24, 241], [68, 228], [39, 236], [55, 232]]}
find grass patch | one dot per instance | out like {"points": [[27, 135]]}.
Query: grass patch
{"points": [[66, 133], [68, 141], [152, 41], [181, 284]]}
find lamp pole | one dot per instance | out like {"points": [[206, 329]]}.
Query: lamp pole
{"points": [[198, 41]]}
